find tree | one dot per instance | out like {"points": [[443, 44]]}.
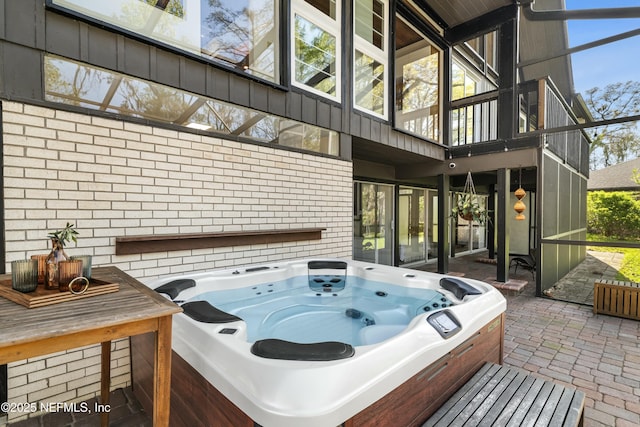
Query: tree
{"points": [[616, 142]]}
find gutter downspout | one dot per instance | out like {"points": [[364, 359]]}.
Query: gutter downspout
{"points": [[561, 15]]}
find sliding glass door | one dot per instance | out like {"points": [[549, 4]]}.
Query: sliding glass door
{"points": [[417, 225], [411, 225], [373, 223]]}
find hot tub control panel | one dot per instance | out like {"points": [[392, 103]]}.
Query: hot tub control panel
{"points": [[445, 323]]}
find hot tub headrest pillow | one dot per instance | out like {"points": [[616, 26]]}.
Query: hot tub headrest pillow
{"points": [[174, 288], [458, 287], [316, 352], [204, 312]]}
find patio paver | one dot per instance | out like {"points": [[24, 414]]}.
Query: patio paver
{"points": [[567, 343]]}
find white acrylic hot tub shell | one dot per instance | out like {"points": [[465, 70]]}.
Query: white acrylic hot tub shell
{"points": [[283, 393]]}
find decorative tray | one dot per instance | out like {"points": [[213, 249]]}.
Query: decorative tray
{"points": [[41, 296]]}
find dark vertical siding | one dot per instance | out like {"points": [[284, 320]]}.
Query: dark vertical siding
{"points": [[167, 69], [31, 30], [136, 58], [323, 115], [22, 26], [238, 90], [217, 84], [62, 36], [294, 105], [193, 76], [309, 109], [277, 102], [259, 95], [21, 69]]}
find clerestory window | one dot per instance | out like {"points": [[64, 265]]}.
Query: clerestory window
{"points": [[83, 85]]}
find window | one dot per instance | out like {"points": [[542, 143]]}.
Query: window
{"points": [[370, 56], [315, 42], [476, 122], [240, 34], [483, 50], [417, 82], [463, 83], [490, 47], [73, 83]]}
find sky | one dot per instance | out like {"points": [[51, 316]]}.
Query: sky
{"points": [[610, 63]]}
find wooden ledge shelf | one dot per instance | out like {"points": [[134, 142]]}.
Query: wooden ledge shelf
{"points": [[127, 245]]}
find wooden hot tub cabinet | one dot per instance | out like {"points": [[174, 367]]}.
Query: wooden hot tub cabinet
{"points": [[195, 402]]}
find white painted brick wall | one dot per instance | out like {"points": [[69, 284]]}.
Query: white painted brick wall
{"points": [[112, 178]]}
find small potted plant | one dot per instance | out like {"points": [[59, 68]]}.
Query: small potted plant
{"points": [[59, 239]]}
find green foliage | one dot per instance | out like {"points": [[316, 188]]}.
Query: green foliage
{"points": [[65, 235], [629, 271], [468, 207], [617, 142], [613, 214]]}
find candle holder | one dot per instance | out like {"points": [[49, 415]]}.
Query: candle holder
{"points": [[24, 275], [42, 266], [86, 264], [67, 271]]}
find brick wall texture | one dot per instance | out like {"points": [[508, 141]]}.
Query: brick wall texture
{"points": [[111, 178]]}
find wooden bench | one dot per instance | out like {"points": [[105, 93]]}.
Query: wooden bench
{"points": [[503, 396], [617, 298]]}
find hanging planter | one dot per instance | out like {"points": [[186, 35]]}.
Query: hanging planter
{"points": [[466, 204]]}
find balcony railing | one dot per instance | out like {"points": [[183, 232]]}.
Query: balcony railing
{"points": [[475, 119]]}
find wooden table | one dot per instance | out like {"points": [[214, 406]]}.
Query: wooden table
{"points": [[134, 309]]}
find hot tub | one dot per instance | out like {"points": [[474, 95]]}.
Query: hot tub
{"points": [[324, 342]]}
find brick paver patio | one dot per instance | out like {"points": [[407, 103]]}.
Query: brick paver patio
{"points": [[566, 342]]}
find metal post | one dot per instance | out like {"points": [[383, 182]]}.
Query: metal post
{"points": [[444, 210], [503, 187]]}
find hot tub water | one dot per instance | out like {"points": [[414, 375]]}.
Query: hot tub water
{"points": [[363, 312]]}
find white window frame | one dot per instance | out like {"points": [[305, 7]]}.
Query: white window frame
{"points": [[401, 59], [382, 56], [326, 23]]}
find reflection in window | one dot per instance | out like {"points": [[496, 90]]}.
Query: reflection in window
{"points": [[328, 7], [370, 56], [241, 34], [484, 47], [73, 83], [370, 21], [463, 84], [476, 122], [315, 57], [315, 41], [369, 83], [417, 83]]}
